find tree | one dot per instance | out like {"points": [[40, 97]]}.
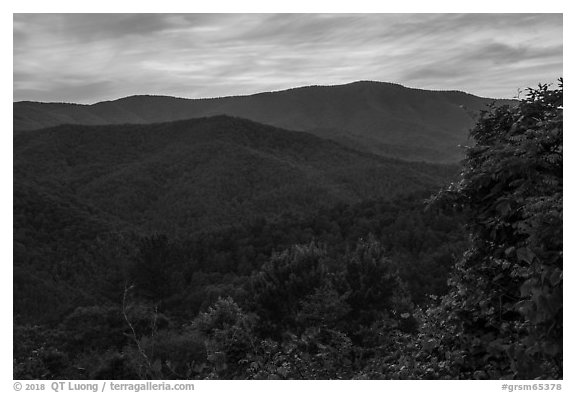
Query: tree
{"points": [[229, 337], [506, 296], [287, 279], [372, 283]]}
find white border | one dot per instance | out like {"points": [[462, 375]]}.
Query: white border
{"points": [[301, 6]]}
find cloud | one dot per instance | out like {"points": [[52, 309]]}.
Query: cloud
{"points": [[91, 57]]}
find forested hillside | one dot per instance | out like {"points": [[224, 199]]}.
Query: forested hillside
{"points": [[78, 188], [184, 176], [381, 118]]}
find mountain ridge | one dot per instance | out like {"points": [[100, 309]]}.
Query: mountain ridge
{"points": [[358, 82], [378, 117]]}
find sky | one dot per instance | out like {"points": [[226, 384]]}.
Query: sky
{"points": [[86, 58]]}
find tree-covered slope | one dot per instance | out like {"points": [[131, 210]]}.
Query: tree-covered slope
{"points": [[212, 172]]}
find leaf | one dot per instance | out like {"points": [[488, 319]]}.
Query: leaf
{"points": [[556, 277], [429, 345], [524, 254], [528, 287], [157, 366]]}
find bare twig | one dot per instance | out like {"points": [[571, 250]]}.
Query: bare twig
{"points": [[134, 336]]}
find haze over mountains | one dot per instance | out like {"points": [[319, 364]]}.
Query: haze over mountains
{"points": [[381, 118]]}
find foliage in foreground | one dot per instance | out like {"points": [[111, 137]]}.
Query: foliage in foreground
{"points": [[505, 306]]}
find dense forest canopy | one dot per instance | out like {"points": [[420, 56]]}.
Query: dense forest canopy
{"points": [[408, 283]]}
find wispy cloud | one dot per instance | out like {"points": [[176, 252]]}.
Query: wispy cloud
{"points": [[92, 57]]}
